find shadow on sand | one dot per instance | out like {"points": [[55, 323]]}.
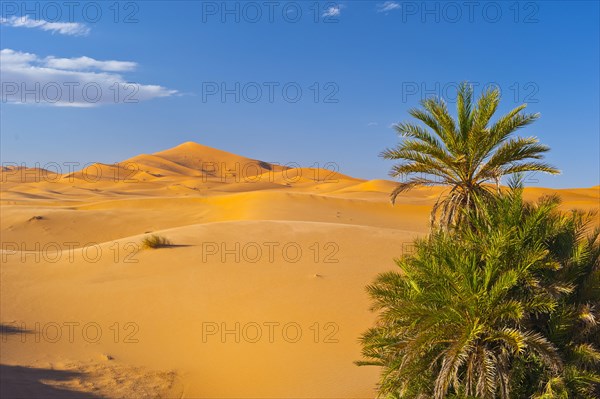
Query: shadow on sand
{"points": [[11, 329], [27, 382]]}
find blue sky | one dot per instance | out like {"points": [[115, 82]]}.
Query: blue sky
{"points": [[315, 82]]}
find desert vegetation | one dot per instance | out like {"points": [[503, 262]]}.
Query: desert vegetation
{"points": [[505, 306], [466, 154], [155, 241], [502, 298]]}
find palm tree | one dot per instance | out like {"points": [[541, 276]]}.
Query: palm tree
{"points": [[463, 154], [503, 306], [572, 325]]}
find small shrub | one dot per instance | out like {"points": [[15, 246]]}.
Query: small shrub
{"points": [[155, 241]]}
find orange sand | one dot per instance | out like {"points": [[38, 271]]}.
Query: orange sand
{"points": [[261, 295]]}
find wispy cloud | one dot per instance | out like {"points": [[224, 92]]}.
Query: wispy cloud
{"points": [[87, 63], [388, 6], [63, 28], [372, 124], [70, 82], [333, 11]]}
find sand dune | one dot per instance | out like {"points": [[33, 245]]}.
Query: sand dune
{"points": [[260, 296]]}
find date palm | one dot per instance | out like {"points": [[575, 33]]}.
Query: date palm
{"points": [[503, 306], [467, 154], [572, 324]]}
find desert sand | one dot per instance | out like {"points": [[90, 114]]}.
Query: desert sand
{"points": [[261, 294]]}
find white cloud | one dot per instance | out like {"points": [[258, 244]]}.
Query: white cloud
{"points": [[372, 124], [78, 82], [388, 6], [333, 11], [63, 28], [86, 63]]}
